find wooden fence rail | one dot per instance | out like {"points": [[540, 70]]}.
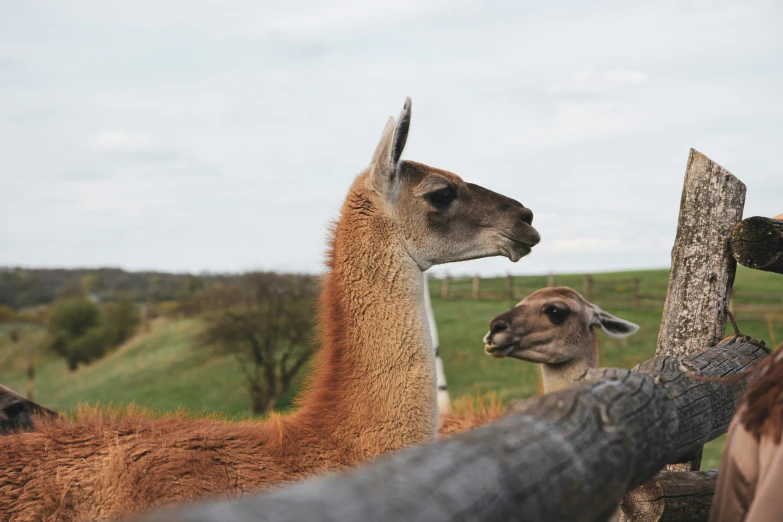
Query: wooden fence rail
{"points": [[757, 242], [630, 293], [569, 455], [678, 496]]}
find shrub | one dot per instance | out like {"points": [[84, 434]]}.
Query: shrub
{"points": [[7, 314], [88, 347], [69, 320], [119, 321]]}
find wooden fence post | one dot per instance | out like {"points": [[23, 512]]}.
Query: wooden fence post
{"points": [[635, 293], [476, 283], [702, 271], [510, 287], [771, 331], [550, 280], [30, 392], [588, 287], [444, 287]]}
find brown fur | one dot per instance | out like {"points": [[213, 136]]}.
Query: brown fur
{"points": [[469, 413], [762, 414], [373, 385]]}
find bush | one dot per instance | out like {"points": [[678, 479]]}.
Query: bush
{"points": [[80, 331], [168, 308], [119, 322], [88, 347], [7, 314], [69, 320]]}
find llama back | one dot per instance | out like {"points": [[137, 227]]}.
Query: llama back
{"points": [[192, 459]]}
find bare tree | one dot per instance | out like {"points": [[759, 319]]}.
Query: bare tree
{"points": [[265, 323]]}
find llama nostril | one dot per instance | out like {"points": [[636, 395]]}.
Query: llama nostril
{"points": [[526, 216], [498, 325]]}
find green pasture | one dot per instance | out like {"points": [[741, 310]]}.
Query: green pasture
{"points": [[164, 369]]}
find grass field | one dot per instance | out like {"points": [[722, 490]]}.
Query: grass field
{"points": [[164, 370]]}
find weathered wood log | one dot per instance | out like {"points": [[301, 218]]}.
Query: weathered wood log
{"points": [[702, 272], [16, 412], [671, 496], [569, 455], [757, 242]]}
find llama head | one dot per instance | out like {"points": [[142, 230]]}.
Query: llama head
{"points": [[552, 326], [441, 217]]}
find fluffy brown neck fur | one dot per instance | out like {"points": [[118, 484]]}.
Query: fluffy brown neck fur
{"points": [[560, 376], [375, 374]]}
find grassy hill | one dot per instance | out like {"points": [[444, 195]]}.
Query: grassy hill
{"points": [[163, 369]]}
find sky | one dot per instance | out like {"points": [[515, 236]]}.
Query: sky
{"points": [[222, 136]]}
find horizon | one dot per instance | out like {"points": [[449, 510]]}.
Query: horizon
{"points": [[427, 272]]}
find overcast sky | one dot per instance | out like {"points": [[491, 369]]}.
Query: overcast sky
{"points": [[223, 136]]}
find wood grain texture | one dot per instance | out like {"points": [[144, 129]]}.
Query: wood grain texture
{"points": [[671, 497], [757, 242], [569, 455], [702, 272]]}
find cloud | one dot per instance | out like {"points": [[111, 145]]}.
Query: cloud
{"points": [[584, 244], [234, 133], [114, 140], [136, 153], [319, 19], [626, 76]]}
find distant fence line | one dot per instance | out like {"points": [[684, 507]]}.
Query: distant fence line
{"points": [[629, 292]]}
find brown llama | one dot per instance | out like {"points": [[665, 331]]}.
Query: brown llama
{"points": [[373, 385], [553, 327]]}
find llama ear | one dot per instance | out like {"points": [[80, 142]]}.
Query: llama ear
{"points": [[613, 326], [383, 168]]}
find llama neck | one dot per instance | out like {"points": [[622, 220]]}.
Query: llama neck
{"points": [[374, 384], [560, 376]]}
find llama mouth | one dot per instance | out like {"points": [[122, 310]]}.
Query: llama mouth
{"points": [[498, 352], [516, 249]]}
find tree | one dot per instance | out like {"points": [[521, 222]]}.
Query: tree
{"points": [[265, 323], [69, 321], [7, 314], [119, 320]]}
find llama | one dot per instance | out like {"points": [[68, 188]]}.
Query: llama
{"points": [[553, 327], [372, 390]]}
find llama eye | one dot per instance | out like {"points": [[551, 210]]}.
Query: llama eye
{"points": [[557, 315], [442, 198]]}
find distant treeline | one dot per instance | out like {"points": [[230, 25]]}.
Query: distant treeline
{"points": [[26, 287]]}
